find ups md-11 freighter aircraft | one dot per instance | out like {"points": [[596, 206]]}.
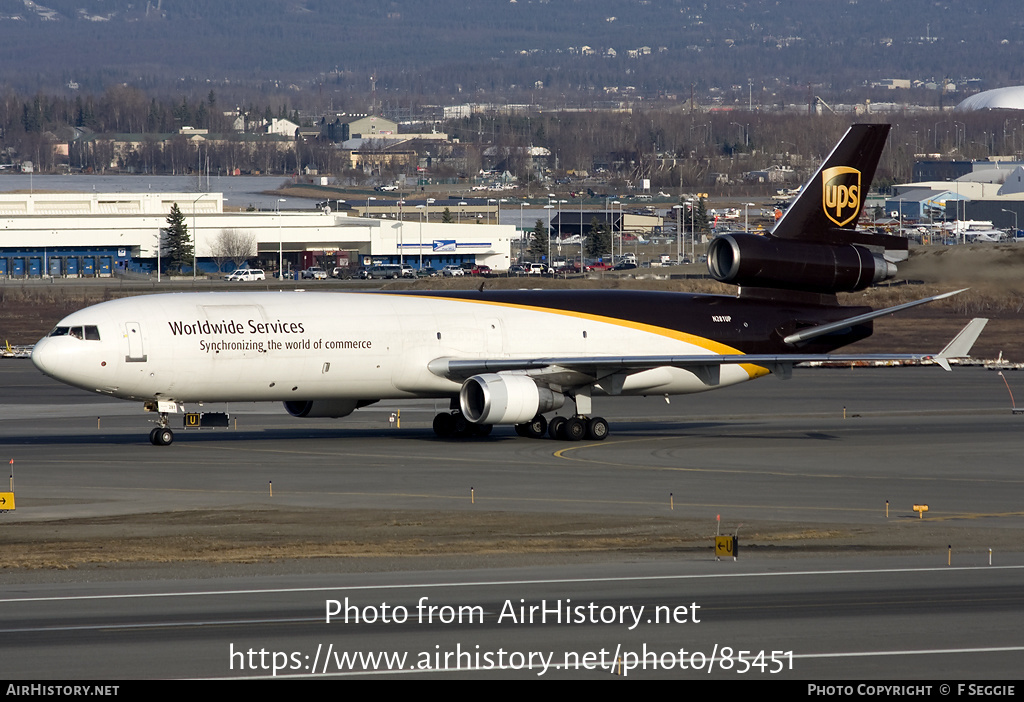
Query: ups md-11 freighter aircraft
{"points": [[507, 357]]}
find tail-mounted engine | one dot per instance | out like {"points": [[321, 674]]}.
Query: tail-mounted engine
{"points": [[768, 262], [506, 399]]}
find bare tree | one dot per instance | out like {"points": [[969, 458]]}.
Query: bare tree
{"points": [[233, 246]]}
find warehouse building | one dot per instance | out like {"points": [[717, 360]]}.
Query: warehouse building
{"points": [[96, 234]]}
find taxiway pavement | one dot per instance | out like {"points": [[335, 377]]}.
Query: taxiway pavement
{"points": [[827, 448]]}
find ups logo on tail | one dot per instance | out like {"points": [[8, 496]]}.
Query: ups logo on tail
{"points": [[841, 194]]}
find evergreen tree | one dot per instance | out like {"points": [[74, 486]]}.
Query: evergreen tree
{"points": [[446, 216], [177, 245], [700, 216], [539, 241], [599, 241]]}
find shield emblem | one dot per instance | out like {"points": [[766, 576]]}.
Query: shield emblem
{"points": [[840, 196]]}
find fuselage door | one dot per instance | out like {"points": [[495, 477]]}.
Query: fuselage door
{"points": [[136, 353]]}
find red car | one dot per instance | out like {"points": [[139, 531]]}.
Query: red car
{"points": [[481, 270]]}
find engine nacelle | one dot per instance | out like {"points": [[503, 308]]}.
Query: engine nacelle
{"points": [[506, 399], [320, 408], [761, 261]]}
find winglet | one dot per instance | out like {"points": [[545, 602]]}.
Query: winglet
{"points": [[961, 344]]}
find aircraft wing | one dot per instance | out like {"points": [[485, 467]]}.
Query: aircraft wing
{"points": [[705, 366], [595, 368]]}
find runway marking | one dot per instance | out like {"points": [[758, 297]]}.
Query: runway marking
{"points": [[418, 457], [504, 583], [561, 453], [911, 652]]}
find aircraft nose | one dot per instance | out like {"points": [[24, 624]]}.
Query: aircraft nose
{"points": [[54, 359], [43, 356]]}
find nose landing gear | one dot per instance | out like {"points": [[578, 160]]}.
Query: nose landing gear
{"points": [[161, 436]]}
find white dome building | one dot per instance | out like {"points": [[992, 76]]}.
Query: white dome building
{"points": [[1011, 98]]}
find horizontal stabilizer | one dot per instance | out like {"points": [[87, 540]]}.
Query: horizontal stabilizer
{"points": [[960, 346], [821, 329]]}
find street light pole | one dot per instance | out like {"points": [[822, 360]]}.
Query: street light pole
{"points": [[421, 208], [1014, 213], [616, 202], [679, 233], [549, 207], [195, 236], [693, 231], [401, 234], [280, 242]]}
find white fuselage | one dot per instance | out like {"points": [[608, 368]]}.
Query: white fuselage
{"points": [[250, 346]]}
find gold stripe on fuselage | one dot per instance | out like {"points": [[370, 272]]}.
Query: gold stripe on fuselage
{"points": [[754, 371]]}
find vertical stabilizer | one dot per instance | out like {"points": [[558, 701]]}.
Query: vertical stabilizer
{"points": [[834, 197]]}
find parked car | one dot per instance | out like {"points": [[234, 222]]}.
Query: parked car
{"points": [[314, 272], [426, 272], [538, 269], [517, 271], [383, 271], [452, 270], [481, 270], [408, 271], [247, 274]]}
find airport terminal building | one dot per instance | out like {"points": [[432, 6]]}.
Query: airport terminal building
{"points": [[96, 234]]}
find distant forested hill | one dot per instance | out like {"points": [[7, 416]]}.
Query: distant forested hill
{"points": [[489, 47]]}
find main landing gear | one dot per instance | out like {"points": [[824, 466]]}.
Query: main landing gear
{"points": [[575, 428], [454, 424]]}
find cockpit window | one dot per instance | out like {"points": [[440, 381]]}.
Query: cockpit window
{"points": [[89, 333]]}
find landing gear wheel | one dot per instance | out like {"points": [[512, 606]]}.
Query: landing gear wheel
{"points": [[480, 429], [555, 426], [597, 429], [162, 437], [521, 430], [444, 425], [537, 427], [462, 426], [575, 429], [152, 436]]}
